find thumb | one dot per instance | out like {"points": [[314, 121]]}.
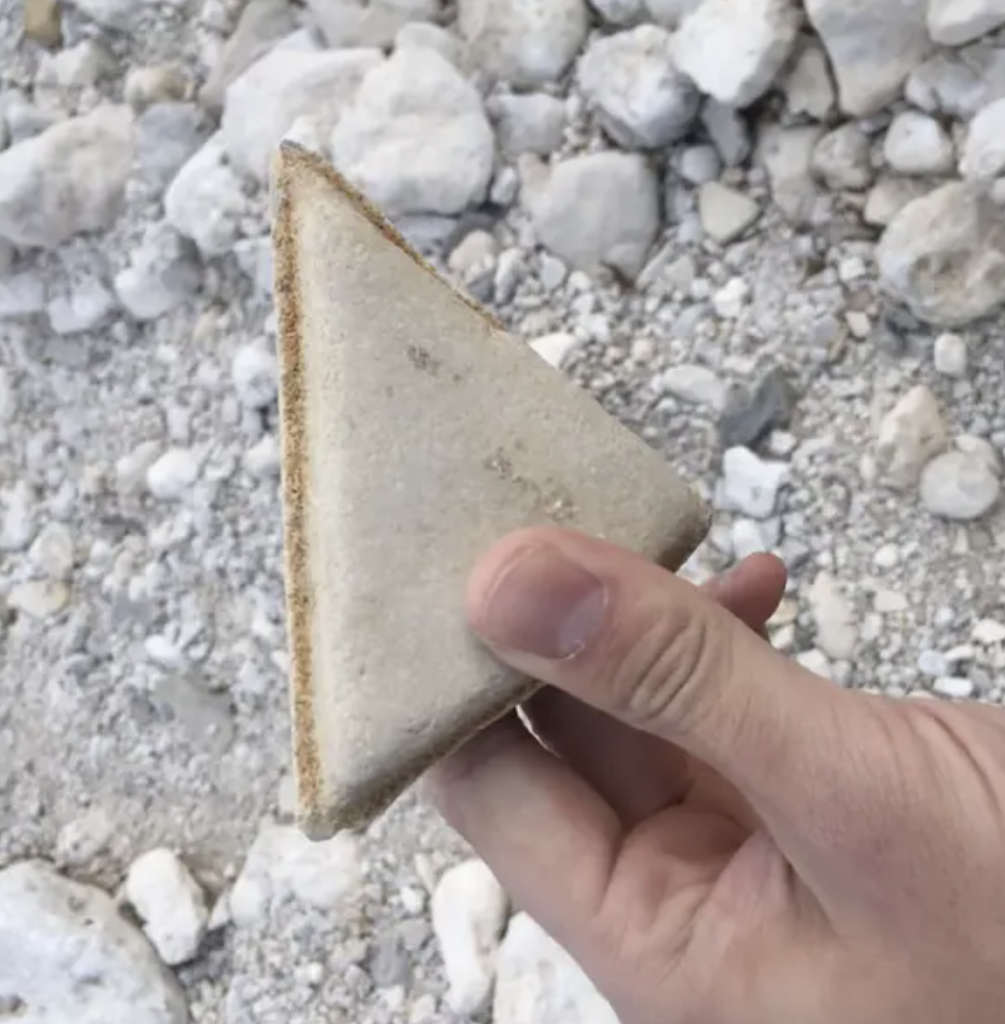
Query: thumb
{"points": [[625, 636]]}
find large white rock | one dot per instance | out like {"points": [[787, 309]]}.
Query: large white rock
{"points": [[600, 209], [68, 180], [642, 98], [416, 138], [943, 255], [735, 49], [539, 983], [206, 201], [983, 155], [955, 22], [872, 46], [263, 103], [469, 909], [170, 904], [67, 955], [524, 42]]}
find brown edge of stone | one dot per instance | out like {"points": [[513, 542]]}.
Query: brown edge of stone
{"points": [[316, 819]]}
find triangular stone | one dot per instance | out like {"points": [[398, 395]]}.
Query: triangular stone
{"points": [[416, 433]]}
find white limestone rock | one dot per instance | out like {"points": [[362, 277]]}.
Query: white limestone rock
{"points": [[734, 50], [67, 955], [206, 200], [284, 865], [469, 910], [910, 435], [416, 139], [527, 43], [170, 904], [957, 22], [983, 156], [263, 104], [599, 209], [917, 144], [943, 255], [643, 100], [68, 180], [873, 47]]}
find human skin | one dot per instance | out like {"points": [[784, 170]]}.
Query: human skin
{"points": [[717, 835]]}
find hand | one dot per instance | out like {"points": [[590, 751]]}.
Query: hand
{"points": [[717, 835]]}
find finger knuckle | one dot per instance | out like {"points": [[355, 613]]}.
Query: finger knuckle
{"points": [[663, 677]]}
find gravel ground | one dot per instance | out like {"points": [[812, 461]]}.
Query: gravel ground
{"points": [[785, 284]]}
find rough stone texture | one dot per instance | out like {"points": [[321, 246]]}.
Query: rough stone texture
{"points": [[955, 22], [524, 42], [170, 903], [597, 210], [205, 201], [67, 955], [264, 103], [983, 156], [918, 144], [631, 77], [357, 745], [910, 435], [873, 47], [943, 255], [416, 139], [469, 912], [68, 180], [735, 49]]}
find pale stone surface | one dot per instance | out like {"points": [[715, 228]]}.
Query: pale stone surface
{"points": [[943, 255], [263, 104], [205, 201], [725, 213], [68, 180], [910, 435], [735, 49], [284, 865], [524, 42], [475, 470], [601, 209], [872, 46], [983, 155], [955, 22], [67, 955], [469, 909], [917, 144], [170, 903], [631, 78], [416, 139]]}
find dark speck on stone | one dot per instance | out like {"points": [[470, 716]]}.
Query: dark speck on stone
{"points": [[754, 414]]}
